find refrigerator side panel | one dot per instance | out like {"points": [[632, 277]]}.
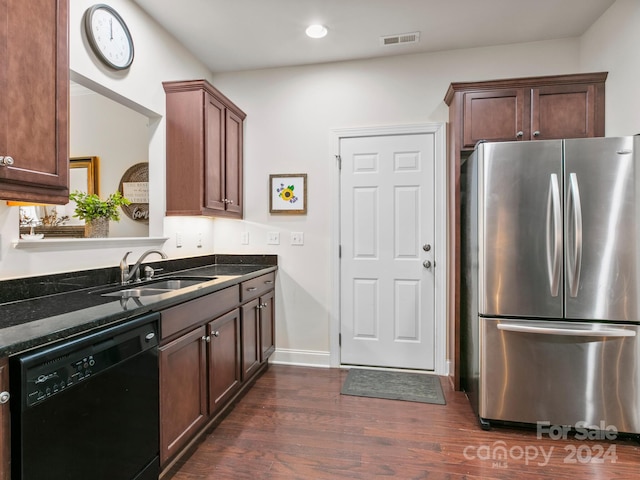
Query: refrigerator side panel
{"points": [[520, 229], [601, 222], [563, 373], [469, 348]]}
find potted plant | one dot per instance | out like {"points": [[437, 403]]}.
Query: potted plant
{"points": [[96, 213]]}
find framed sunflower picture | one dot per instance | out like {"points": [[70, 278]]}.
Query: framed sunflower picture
{"points": [[288, 193]]}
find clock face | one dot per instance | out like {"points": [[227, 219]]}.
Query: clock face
{"points": [[109, 36]]}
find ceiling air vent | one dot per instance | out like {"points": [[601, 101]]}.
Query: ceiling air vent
{"points": [[413, 37]]}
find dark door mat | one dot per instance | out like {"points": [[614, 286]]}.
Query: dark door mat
{"points": [[410, 387]]}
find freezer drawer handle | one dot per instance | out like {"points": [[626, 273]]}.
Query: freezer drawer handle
{"points": [[567, 331], [554, 235]]}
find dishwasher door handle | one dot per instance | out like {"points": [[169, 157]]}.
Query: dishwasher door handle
{"points": [[611, 332]]}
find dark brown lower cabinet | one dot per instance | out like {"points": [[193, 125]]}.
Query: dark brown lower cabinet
{"points": [[228, 340], [224, 359], [267, 326], [183, 391], [250, 338]]}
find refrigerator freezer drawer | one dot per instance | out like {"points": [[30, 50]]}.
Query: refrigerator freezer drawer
{"points": [[564, 373]]}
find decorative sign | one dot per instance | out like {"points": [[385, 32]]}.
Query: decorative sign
{"points": [[134, 186], [136, 192]]}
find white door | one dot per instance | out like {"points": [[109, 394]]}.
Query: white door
{"points": [[387, 256]]}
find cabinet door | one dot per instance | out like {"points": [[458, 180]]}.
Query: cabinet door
{"points": [[233, 168], [224, 359], [563, 111], [34, 81], [250, 338], [214, 145], [5, 431], [183, 394], [494, 115], [267, 327]]}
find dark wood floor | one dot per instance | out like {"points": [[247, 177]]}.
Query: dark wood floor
{"points": [[294, 424]]}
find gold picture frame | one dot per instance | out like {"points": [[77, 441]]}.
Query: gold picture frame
{"points": [[84, 175], [288, 193]]}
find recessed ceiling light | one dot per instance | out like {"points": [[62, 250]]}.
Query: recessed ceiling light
{"points": [[316, 31]]}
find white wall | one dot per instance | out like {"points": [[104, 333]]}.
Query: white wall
{"points": [[290, 115], [612, 45], [119, 137]]}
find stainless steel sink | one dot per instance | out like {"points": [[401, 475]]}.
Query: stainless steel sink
{"points": [[156, 287]]}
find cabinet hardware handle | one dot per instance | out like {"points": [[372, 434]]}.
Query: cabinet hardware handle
{"points": [[4, 397], [259, 306], [206, 339], [519, 134], [6, 161], [268, 282], [216, 333], [227, 201], [536, 133], [264, 305], [252, 289]]}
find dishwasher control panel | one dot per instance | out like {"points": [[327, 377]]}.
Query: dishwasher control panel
{"points": [[59, 368], [52, 378]]}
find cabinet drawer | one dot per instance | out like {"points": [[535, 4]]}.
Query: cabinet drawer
{"points": [[257, 286], [200, 310]]}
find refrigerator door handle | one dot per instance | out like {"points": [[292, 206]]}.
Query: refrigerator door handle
{"points": [[554, 234], [610, 332], [574, 259]]}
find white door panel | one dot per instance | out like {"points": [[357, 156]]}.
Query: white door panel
{"points": [[387, 215]]}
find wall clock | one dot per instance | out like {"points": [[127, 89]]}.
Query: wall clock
{"points": [[109, 36]]}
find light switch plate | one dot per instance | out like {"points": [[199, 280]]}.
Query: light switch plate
{"points": [[297, 238], [244, 238], [273, 238]]}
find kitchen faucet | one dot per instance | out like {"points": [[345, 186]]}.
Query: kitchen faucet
{"points": [[126, 274]]}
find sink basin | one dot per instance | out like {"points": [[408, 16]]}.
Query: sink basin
{"points": [[156, 287]]}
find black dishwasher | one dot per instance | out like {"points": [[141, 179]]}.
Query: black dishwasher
{"points": [[87, 408]]}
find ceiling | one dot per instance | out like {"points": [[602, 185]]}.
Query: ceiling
{"points": [[233, 35]]}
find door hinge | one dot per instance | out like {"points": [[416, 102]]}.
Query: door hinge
{"points": [[339, 339], [339, 160], [339, 251]]}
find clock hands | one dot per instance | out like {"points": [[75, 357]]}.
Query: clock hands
{"points": [[111, 29]]}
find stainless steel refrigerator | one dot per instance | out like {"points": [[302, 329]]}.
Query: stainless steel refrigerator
{"points": [[550, 255]]}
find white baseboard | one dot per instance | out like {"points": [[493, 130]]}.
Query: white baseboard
{"points": [[306, 358]]}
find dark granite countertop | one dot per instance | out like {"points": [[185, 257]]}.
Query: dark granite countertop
{"points": [[38, 310]]}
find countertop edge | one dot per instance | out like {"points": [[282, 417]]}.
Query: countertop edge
{"points": [[20, 338]]}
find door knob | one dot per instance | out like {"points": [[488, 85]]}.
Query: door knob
{"points": [[426, 247], [426, 264]]}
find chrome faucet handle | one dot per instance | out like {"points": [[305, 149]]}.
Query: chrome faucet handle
{"points": [[124, 269]]}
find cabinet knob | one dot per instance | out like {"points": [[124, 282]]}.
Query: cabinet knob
{"points": [[216, 333], [268, 282], [206, 339], [520, 134], [4, 397], [536, 133], [227, 201], [252, 289], [264, 305], [6, 161]]}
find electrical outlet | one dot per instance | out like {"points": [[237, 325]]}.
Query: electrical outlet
{"points": [[297, 238], [273, 238], [178, 239], [199, 244], [244, 238]]}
